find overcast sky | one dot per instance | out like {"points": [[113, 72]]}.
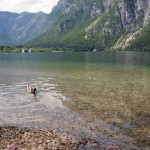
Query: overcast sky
{"points": [[27, 5]]}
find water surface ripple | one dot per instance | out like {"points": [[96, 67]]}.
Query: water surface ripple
{"points": [[45, 110], [114, 86]]}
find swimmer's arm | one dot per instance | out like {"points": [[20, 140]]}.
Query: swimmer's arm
{"points": [[28, 89]]}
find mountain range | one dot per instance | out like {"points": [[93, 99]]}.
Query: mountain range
{"points": [[82, 25], [17, 29]]}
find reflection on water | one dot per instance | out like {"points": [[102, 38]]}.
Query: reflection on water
{"points": [[109, 86]]}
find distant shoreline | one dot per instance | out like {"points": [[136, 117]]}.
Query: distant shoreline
{"points": [[20, 49]]}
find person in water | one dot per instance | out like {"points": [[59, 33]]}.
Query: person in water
{"points": [[31, 90]]}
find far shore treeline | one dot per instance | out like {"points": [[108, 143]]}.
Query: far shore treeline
{"points": [[19, 49]]}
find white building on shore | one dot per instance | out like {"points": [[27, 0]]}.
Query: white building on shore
{"points": [[25, 50]]}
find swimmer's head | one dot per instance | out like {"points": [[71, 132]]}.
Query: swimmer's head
{"points": [[34, 91]]}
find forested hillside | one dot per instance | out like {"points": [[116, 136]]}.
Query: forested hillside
{"points": [[98, 24], [81, 25]]}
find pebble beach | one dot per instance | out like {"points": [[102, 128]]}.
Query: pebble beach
{"points": [[36, 139]]}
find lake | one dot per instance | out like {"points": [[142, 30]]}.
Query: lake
{"points": [[101, 95]]}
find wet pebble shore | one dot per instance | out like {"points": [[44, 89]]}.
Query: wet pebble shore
{"points": [[36, 139]]}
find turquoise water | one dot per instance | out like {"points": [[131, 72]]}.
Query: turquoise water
{"points": [[112, 87]]}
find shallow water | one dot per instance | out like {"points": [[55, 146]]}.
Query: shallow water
{"points": [[46, 111], [76, 91]]}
